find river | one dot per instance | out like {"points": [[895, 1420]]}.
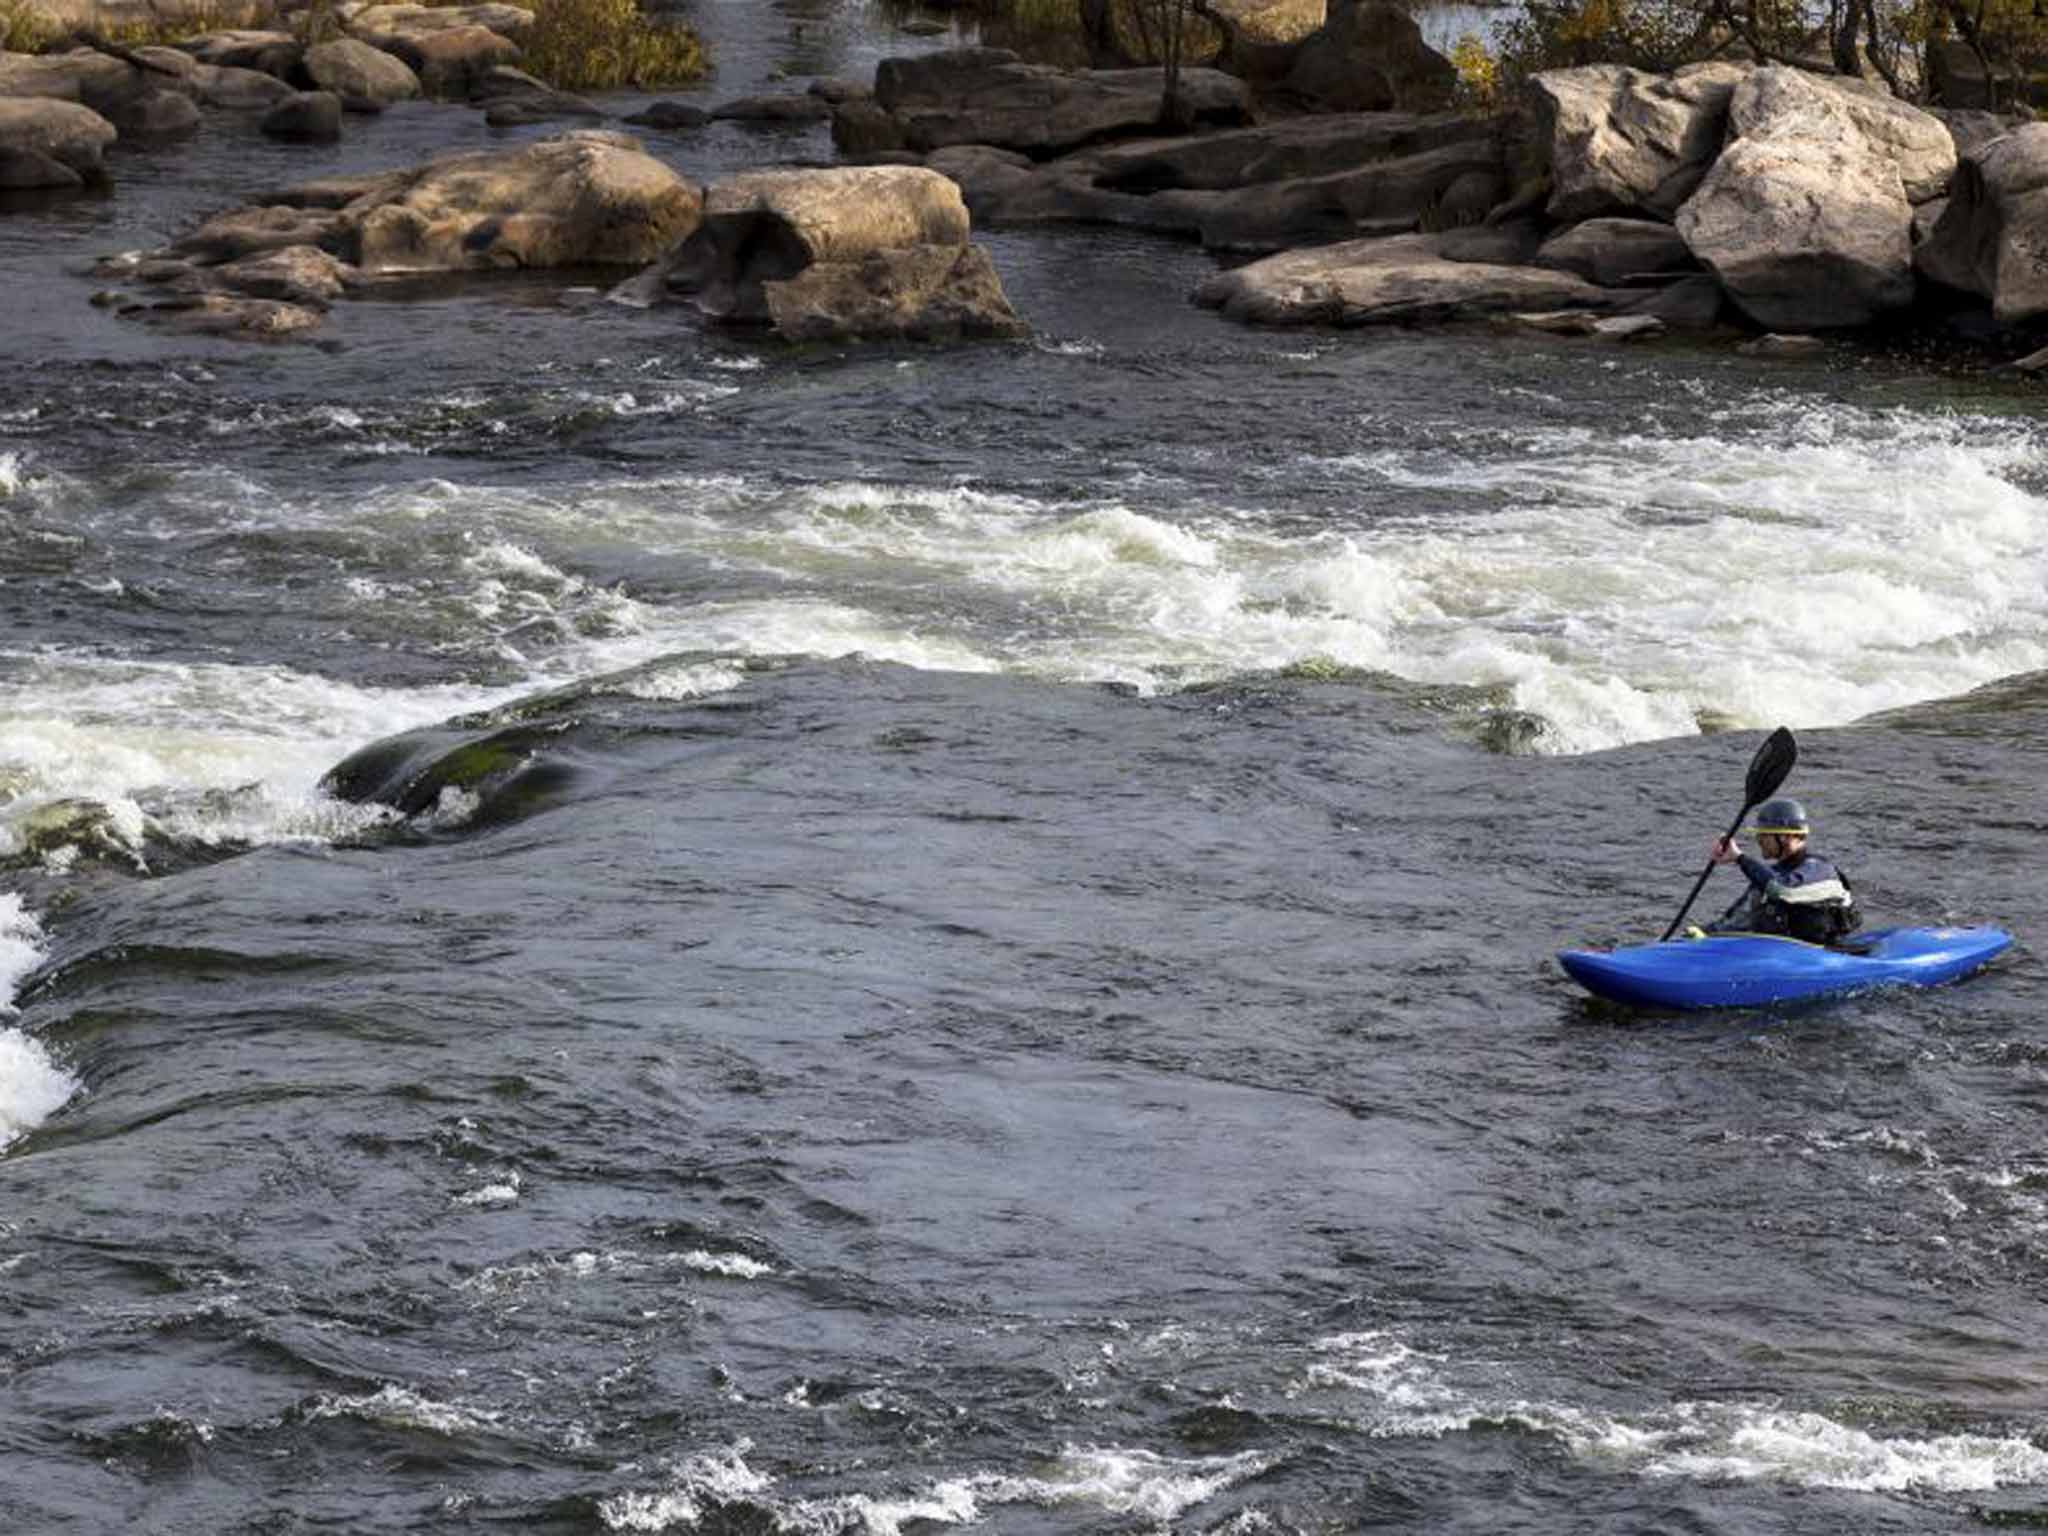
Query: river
{"points": [[1002, 978]]}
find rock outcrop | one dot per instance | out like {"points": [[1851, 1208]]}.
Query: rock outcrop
{"points": [[583, 199], [990, 96], [858, 251], [1395, 281], [1803, 218], [449, 49], [1992, 238], [1620, 141], [587, 198], [1256, 189]]}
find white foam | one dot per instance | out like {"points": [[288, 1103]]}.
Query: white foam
{"points": [[1389, 1389], [737, 1265], [404, 1408], [222, 754], [11, 476], [1131, 1484], [32, 1086]]}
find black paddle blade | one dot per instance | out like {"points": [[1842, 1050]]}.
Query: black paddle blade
{"points": [[1773, 761]]}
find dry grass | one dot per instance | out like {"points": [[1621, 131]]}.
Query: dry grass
{"points": [[23, 29], [605, 45]]}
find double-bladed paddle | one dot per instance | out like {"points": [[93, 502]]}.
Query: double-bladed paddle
{"points": [[1767, 770]]}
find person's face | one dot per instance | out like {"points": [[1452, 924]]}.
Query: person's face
{"points": [[1779, 845]]}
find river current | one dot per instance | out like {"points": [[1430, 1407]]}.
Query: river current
{"points": [[999, 974]]}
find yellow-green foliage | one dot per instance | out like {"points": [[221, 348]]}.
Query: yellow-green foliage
{"points": [[601, 45], [1479, 83], [23, 29]]}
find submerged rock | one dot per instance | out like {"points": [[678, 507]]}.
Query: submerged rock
{"points": [[312, 117]]}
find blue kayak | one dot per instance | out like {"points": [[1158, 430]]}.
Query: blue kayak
{"points": [[1748, 970]]}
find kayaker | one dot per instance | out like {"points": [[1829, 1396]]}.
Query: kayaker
{"points": [[1797, 894]]}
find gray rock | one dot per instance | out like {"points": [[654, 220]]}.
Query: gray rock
{"points": [[1690, 304], [1610, 252], [1399, 281], [513, 96], [1285, 150], [794, 108], [350, 67], [1513, 243], [1990, 239], [917, 293], [1919, 144], [312, 117], [450, 61], [247, 231], [222, 315], [30, 170], [1369, 56], [768, 226], [990, 96], [1621, 141], [861, 129], [670, 115], [1778, 344], [1386, 196], [1634, 326], [54, 143], [273, 53], [159, 114], [1803, 219]]}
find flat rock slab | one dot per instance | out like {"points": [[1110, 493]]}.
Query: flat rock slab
{"points": [[1397, 281]]}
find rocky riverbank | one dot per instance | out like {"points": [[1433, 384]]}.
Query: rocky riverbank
{"points": [[1607, 201]]}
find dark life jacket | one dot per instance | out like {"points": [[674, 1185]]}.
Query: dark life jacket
{"points": [[1802, 897]]}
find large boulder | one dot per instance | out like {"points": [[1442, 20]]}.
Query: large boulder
{"points": [[1918, 143], [918, 293], [856, 251], [1621, 141], [1992, 239], [1613, 252], [354, 70], [1369, 56], [990, 96], [1398, 281], [45, 142], [1803, 219], [587, 198]]}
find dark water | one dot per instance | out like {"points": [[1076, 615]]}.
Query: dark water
{"points": [[989, 964]]}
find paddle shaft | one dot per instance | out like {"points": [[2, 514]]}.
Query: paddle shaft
{"points": [[1699, 885]]}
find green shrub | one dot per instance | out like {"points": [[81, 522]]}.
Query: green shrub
{"points": [[23, 29]]}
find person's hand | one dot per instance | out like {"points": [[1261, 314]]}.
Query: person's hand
{"points": [[1725, 851]]}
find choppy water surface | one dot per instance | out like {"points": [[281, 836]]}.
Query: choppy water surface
{"points": [[994, 967]]}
